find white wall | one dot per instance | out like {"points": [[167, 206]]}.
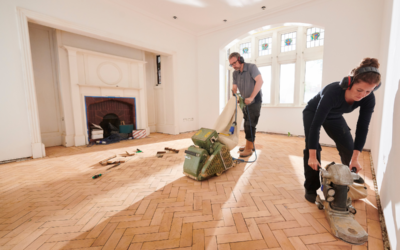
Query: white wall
{"points": [[151, 81], [44, 60], [83, 42], [349, 37], [386, 134], [110, 22]]}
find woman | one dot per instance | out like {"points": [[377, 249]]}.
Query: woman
{"points": [[326, 109]]}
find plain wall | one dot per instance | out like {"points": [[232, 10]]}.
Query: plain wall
{"points": [[44, 62], [119, 24], [151, 82], [349, 37], [386, 134]]}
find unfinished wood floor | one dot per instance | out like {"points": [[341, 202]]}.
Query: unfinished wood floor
{"points": [[147, 203]]}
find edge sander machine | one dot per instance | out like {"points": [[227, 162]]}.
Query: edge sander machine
{"points": [[336, 180], [210, 154]]}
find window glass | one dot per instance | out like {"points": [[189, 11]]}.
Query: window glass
{"points": [[313, 79], [286, 83], [266, 87]]}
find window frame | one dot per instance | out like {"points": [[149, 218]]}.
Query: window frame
{"points": [[299, 56], [307, 58], [272, 97], [311, 48], [285, 31], [248, 40]]}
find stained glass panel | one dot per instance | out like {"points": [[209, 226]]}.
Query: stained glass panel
{"points": [[315, 37], [245, 50], [288, 42], [264, 46]]}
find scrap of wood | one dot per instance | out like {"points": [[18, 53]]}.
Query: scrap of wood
{"points": [[161, 152], [172, 150], [117, 160], [104, 162], [129, 154]]}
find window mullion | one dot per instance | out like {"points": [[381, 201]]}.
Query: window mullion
{"points": [[275, 70], [299, 86]]}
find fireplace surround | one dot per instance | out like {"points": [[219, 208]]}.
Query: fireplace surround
{"points": [[112, 109]]}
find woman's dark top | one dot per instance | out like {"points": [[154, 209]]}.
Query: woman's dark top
{"points": [[330, 103]]}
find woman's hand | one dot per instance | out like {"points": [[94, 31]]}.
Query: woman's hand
{"points": [[354, 161], [355, 164], [312, 160]]}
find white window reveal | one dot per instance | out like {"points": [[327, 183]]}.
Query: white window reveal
{"points": [[288, 42], [264, 46], [313, 79], [266, 87], [245, 50], [315, 37], [286, 84]]}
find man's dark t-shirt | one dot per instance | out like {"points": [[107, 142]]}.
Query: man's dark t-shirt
{"points": [[245, 81]]}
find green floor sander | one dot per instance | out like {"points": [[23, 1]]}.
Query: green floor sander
{"points": [[210, 154], [208, 157]]}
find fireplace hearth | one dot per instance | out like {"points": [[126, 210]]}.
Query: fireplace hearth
{"points": [[110, 110]]}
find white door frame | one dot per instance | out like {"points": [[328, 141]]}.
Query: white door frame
{"points": [[25, 16]]}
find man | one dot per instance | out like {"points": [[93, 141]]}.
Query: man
{"points": [[248, 79]]}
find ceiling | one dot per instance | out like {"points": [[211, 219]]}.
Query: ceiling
{"points": [[200, 16]]}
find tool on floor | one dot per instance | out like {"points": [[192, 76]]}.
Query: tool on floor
{"points": [[139, 151], [114, 166], [172, 150], [336, 180], [108, 170], [210, 154]]}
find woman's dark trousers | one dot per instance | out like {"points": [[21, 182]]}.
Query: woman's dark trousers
{"points": [[339, 132]]}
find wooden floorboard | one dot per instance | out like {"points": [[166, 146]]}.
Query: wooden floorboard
{"points": [[147, 202]]}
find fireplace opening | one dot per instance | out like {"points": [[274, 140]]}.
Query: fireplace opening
{"points": [[112, 119]]}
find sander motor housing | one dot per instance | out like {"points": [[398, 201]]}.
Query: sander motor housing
{"points": [[208, 157]]}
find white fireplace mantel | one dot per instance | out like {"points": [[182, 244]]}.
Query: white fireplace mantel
{"points": [[97, 74]]}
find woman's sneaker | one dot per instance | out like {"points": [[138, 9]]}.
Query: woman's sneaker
{"points": [[311, 196]]}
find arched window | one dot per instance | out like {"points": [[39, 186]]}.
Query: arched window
{"points": [[290, 60]]}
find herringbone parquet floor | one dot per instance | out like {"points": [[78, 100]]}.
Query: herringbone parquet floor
{"points": [[147, 203]]}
